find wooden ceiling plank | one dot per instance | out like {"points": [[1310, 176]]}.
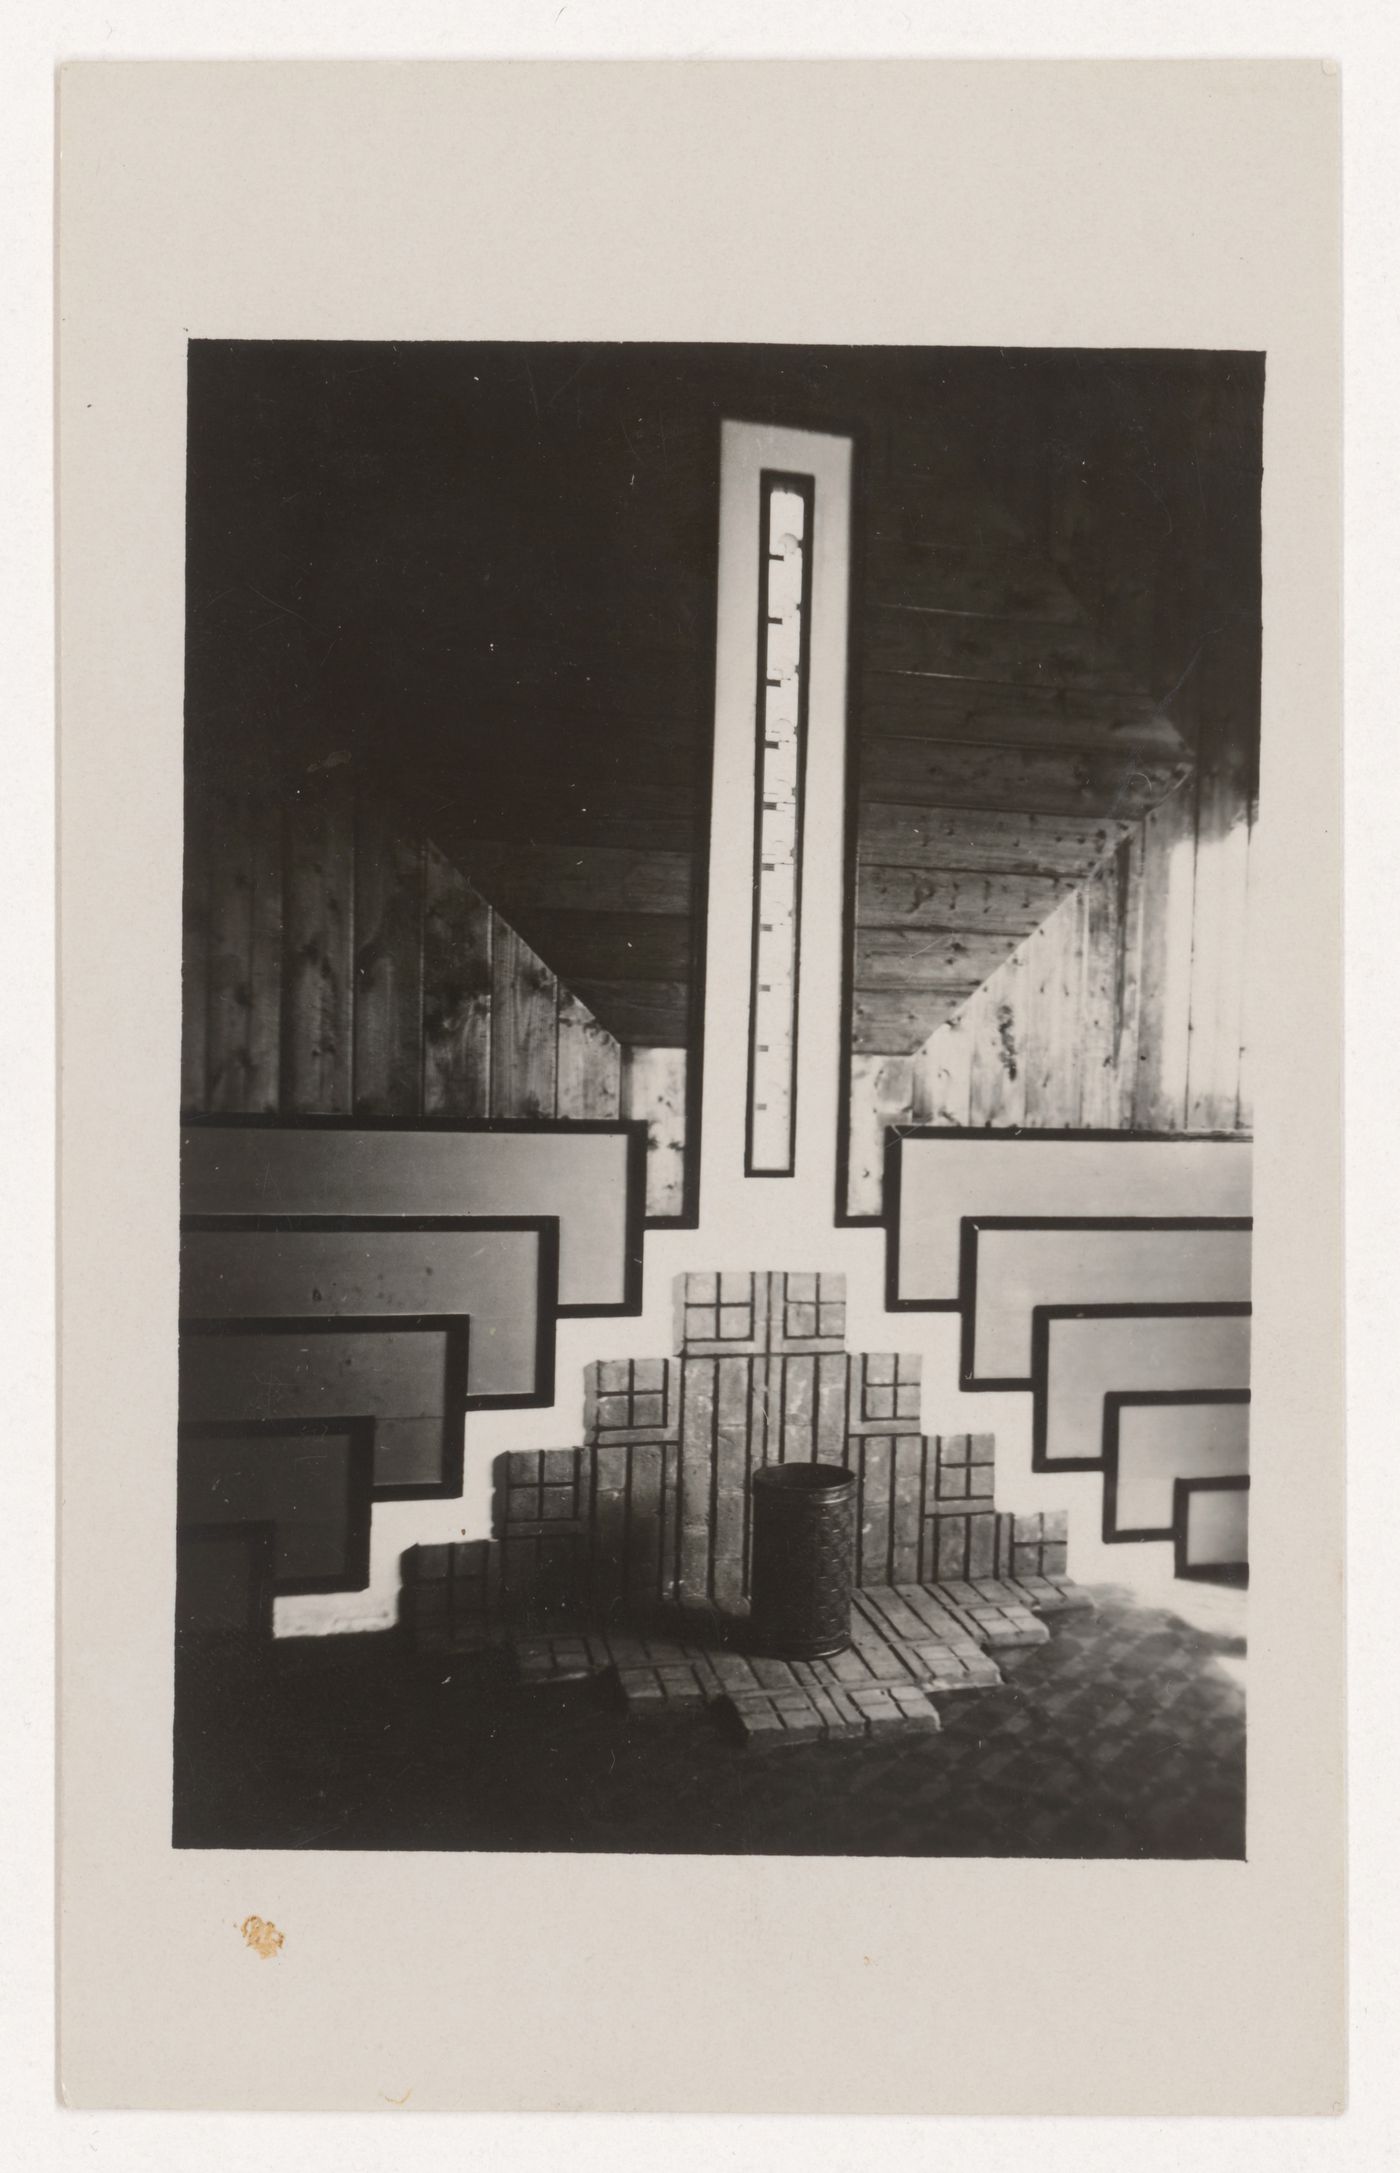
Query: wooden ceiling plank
{"points": [[897, 1025], [592, 820], [964, 714], [996, 902], [981, 840], [1037, 781], [645, 1013], [613, 946], [898, 638], [1070, 711], [575, 878], [898, 959]]}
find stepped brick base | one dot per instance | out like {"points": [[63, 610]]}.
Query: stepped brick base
{"points": [[653, 1511], [452, 1599]]}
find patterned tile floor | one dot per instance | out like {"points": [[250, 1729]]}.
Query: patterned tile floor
{"points": [[1123, 1736]]}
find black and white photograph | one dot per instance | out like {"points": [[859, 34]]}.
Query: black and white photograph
{"points": [[701, 1396], [716, 1106]]}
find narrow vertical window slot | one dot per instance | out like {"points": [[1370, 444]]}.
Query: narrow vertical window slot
{"points": [[784, 586]]}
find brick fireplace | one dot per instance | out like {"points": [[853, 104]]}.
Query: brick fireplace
{"points": [[652, 1510]]}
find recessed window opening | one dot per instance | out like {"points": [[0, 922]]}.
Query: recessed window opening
{"points": [[786, 505]]}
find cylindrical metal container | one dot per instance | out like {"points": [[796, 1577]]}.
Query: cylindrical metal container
{"points": [[804, 1523]]}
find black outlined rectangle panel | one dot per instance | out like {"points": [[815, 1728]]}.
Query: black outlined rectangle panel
{"points": [[1081, 1354], [1152, 1439], [1212, 1530], [503, 1272], [780, 761], [1009, 1264], [936, 1176], [588, 1176], [408, 1376]]}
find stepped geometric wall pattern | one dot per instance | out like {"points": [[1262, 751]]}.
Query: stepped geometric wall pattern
{"points": [[349, 1292], [1130, 1331]]}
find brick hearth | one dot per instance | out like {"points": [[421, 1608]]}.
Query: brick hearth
{"points": [[909, 1644], [652, 1510]]}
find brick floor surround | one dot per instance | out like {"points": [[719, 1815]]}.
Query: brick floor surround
{"points": [[910, 1643]]}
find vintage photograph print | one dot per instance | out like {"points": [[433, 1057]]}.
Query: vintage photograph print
{"points": [[716, 1141]]}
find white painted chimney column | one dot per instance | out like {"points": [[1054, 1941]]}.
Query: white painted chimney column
{"points": [[787, 1218]]}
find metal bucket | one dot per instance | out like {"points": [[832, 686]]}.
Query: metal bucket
{"points": [[804, 1524]]}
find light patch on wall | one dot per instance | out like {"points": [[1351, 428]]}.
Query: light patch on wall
{"points": [[1176, 962], [1220, 920]]}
